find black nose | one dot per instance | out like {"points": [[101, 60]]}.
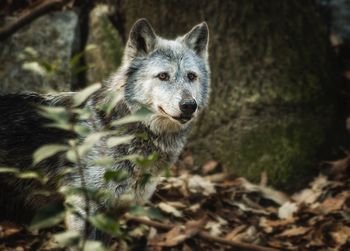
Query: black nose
{"points": [[188, 106]]}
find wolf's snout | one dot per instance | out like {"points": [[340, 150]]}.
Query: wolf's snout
{"points": [[188, 106]]}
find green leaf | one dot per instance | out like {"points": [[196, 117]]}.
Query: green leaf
{"points": [[152, 213], [94, 137], [114, 141], [91, 47], [131, 157], [140, 115], [77, 70], [116, 175], [75, 59], [146, 177], [95, 194], [35, 67], [72, 156], [104, 161], [48, 216], [105, 224], [48, 66], [67, 238], [94, 246], [47, 151], [81, 96], [82, 113], [32, 175], [59, 125], [31, 52], [44, 193], [113, 100], [56, 113], [147, 161], [8, 170], [82, 130]]}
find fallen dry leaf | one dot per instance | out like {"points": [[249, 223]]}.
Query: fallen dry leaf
{"points": [[266, 192], [341, 234], [197, 184], [307, 196], [179, 234], [169, 209], [287, 210], [7, 229], [334, 204], [209, 166], [295, 231], [232, 235], [214, 228]]}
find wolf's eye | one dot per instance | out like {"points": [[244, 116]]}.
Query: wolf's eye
{"points": [[163, 76], [191, 76]]}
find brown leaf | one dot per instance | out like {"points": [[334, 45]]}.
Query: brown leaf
{"points": [[209, 166], [307, 196], [334, 204], [214, 227], [249, 235], [340, 168], [341, 235], [194, 208], [231, 235], [197, 184], [270, 225], [179, 234], [266, 192], [176, 204], [167, 208], [7, 229], [294, 231], [287, 210]]}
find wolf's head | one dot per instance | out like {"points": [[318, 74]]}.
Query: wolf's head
{"points": [[170, 77]]}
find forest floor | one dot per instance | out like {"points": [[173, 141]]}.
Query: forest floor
{"points": [[206, 209]]}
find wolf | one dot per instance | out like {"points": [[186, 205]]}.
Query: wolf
{"points": [[169, 77]]}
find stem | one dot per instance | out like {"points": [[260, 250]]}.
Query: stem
{"points": [[85, 193]]}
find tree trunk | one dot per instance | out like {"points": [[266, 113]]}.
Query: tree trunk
{"points": [[273, 98]]}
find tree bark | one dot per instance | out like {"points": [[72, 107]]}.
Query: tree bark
{"points": [[273, 98]]}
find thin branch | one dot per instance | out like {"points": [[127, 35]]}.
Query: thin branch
{"points": [[85, 194], [27, 18], [205, 235]]}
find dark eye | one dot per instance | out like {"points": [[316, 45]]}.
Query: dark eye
{"points": [[191, 76], [163, 76]]}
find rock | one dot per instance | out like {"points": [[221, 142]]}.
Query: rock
{"points": [[36, 58]]}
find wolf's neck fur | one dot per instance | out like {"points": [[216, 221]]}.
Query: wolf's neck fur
{"points": [[168, 144]]}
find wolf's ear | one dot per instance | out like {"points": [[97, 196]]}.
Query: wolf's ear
{"points": [[142, 39], [197, 39]]}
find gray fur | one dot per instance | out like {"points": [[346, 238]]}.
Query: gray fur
{"points": [[146, 55]]}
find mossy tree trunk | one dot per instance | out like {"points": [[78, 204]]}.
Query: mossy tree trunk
{"points": [[273, 98]]}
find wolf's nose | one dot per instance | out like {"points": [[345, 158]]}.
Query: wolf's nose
{"points": [[188, 106]]}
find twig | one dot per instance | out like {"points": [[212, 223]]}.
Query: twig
{"points": [[85, 194], [204, 235], [45, 7]]}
